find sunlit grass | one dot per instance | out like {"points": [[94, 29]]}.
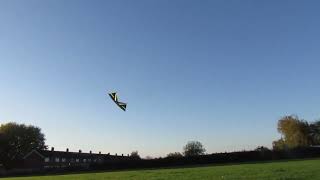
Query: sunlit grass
{"points": [[302, 169]]}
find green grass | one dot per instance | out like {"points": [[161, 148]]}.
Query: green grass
{"points": [[300, 169]]}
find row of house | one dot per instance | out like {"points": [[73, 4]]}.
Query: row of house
{"points": [[62, 159]]}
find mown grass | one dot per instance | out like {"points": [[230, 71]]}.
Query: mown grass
{"points": [[302, 169]]}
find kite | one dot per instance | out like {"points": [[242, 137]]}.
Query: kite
{"points": [[114, 97]]}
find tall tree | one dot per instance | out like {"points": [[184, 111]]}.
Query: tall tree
{"points": [[16, 140], [295, 132], [314, 130], [193, 148]]}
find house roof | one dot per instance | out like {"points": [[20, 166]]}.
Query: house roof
{"points": [[65, 154], [31, 152]]}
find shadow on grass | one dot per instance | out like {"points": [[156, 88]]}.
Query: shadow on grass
{"points": [[160, 168]]}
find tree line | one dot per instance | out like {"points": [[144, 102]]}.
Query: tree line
{"points": [[297, 133], [16, 140]]}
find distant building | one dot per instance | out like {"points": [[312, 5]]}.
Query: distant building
{"points": [[62, 159]]}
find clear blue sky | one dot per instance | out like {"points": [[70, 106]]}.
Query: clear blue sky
{"points": [[221, 72]]}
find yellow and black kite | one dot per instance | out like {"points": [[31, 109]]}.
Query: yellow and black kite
{"points": [[114, 97]]}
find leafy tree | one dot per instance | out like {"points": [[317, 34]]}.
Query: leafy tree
{"points": [[135, 155], [16, 140], [295, 132], [193, 148], [314, 132], [174, 155], [279, 145]]}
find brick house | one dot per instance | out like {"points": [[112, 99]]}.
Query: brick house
{"points": [[60, 159]]}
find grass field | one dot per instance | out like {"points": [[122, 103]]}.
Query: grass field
{"points": [[300, 169]]}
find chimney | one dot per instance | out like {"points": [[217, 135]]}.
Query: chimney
{"points": [[121, 154], [90, 152], [116, 154], [52, 148], [80, 151], [67, 150], [99, 152]]}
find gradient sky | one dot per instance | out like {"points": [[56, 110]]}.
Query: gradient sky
{"points": [[220, 72]]}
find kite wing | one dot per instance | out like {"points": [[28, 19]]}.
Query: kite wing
{"points": [[122, 105], [114, 97]]}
